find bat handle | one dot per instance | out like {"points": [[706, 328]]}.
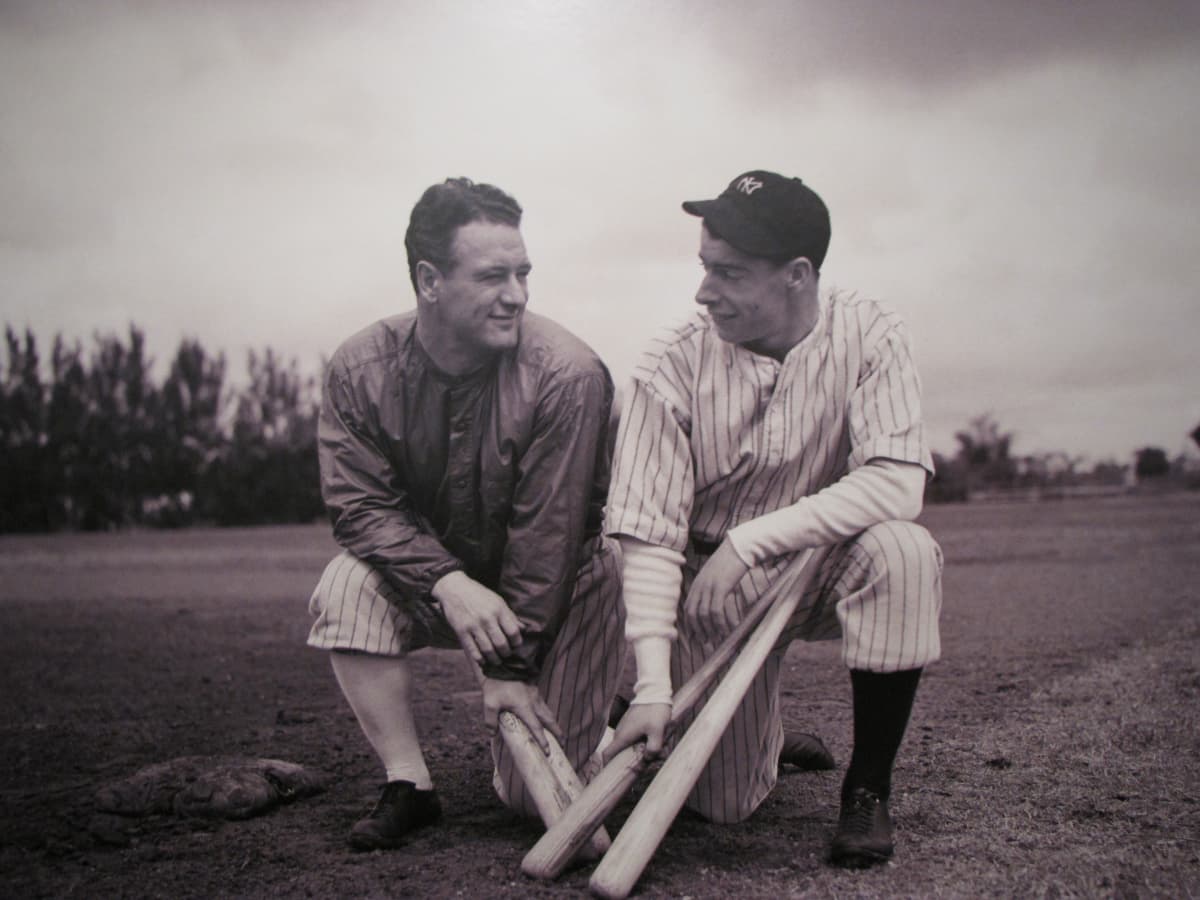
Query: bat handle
{"points": [[551, 781]]}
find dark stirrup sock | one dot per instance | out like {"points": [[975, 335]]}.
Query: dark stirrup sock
{"points": [[882, 704]]}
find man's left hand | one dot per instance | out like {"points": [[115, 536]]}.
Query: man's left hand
{"points": [[711, 604], [524, 702]]}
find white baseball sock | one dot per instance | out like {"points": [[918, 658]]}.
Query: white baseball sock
{"points": [[379, 690]]}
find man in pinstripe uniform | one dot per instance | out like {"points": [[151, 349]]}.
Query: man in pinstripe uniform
{"points": [[775, 419], [464, 462]]}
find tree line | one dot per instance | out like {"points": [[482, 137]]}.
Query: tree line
{"points": [[90, 441], [985, 464]]}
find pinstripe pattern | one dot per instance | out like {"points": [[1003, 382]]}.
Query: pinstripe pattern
{"points": [[580, 677], [881, 593], [356, 609], [713, 435]]}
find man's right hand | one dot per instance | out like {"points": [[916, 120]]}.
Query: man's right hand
{"points": [[523, 701], [642, 721], [486, 627]]}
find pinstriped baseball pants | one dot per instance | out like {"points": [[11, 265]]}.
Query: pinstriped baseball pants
{"points": [[356, 609], [880, 593]]}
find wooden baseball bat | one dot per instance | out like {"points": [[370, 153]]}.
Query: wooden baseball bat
{"points": [[646, 826], [563, 840], [551, 780]]}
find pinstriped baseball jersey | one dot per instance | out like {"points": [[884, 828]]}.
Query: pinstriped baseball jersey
{"points": [[713, 435]]}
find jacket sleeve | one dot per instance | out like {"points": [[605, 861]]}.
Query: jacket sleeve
{"points": [[368, 504], [556, 481]]}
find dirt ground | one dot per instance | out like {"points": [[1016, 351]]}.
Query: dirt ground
{"points": [[1053, 751]]}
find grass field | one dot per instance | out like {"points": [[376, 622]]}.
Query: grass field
{"points": [[1054, 752]]}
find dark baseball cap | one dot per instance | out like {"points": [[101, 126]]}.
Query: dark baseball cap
{"points": [[769, 215]]}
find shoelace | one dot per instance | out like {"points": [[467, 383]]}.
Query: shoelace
{"points": [[860, 812]]}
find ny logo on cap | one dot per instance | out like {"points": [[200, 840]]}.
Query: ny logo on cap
{"points": [[748, 185]]}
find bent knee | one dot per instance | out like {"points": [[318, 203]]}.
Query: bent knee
{"points": [[901, 545], [725, 810]]}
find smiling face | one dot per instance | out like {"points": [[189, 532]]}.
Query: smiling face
{"points": [[748, 298], [475, 308]]}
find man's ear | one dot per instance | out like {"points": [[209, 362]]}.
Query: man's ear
{"points": [[428, 279], [801, 272]]}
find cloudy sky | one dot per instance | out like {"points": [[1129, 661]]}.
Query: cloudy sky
{"points": [[1019, 180]]}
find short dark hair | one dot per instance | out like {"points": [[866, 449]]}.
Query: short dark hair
{"points": [[446, 207]]}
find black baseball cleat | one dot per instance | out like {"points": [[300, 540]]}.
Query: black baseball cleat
{"points": [[864, 833], [805, 752], [400, 811]]}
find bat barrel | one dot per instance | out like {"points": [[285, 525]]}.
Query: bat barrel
{"points": [[563, 840]]}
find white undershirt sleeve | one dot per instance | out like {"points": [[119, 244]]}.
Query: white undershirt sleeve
{"points": [[651, 578], [881, 490]]}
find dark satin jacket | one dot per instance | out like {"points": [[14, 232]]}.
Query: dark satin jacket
{"points": [[501, 474]]}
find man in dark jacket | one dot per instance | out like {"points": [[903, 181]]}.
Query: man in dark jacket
{"points": [[464, 463]]}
